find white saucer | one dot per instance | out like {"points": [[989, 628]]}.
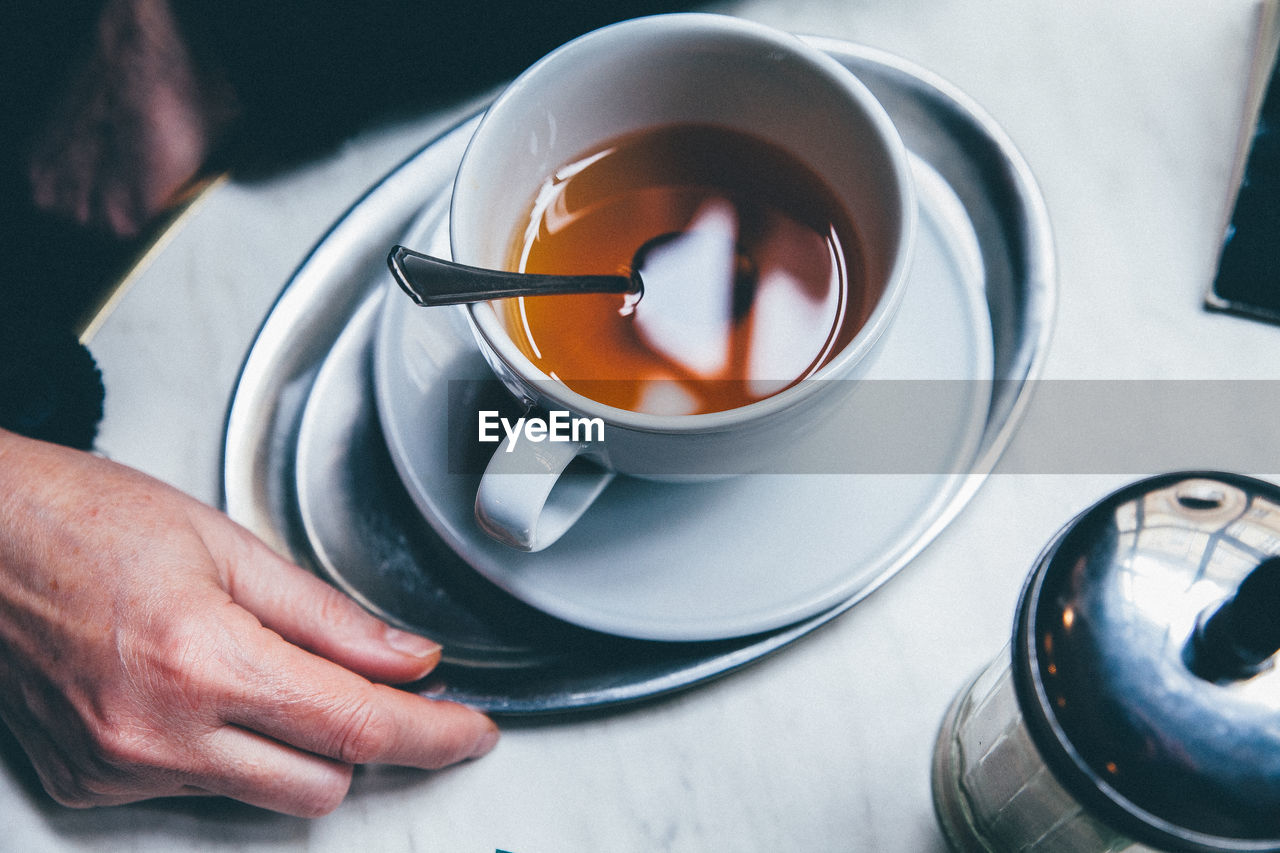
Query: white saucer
{"points": [[712, 560]]}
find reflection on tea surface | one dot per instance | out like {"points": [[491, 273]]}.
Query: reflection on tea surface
{"points": [[751, 269]]}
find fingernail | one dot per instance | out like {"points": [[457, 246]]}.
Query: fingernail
{"points": [[486, 742], [414, 645]]}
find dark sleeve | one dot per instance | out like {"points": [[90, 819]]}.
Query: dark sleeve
{"points": [[50, 387], [308, 74]]}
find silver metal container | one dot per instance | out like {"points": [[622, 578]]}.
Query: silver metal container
{"points": [[1138, 705]]}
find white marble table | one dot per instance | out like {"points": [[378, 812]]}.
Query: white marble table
{"points": [[1128, 113]]}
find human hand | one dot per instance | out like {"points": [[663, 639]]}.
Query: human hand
{"points": [[151, 647], [133, 124]]}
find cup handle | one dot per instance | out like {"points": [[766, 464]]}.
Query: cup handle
{"points": [[528, 499]]}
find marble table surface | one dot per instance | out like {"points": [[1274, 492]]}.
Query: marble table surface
{"points": [[1129, 114]]}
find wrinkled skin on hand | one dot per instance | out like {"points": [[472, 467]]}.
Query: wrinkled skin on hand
{"points": [[151, 647]]}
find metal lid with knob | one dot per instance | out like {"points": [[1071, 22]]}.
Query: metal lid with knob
{"points": [[1144, 651]]}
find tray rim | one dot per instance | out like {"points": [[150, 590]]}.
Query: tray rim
{"points": [[1035, 315]]}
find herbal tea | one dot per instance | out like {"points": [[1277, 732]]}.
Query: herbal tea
{"points": [[751, 268]]}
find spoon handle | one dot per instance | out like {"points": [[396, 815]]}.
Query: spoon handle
{"points": [[433, 281]]}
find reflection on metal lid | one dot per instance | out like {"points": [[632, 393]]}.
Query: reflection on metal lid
{"points": [[1151, 700]]}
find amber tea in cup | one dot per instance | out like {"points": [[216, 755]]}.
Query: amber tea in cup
{"points": [[752, 269], [771, 204]]}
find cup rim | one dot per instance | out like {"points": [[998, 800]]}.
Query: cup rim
{"points": [[484, 318]]}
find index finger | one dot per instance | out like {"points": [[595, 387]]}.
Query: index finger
{"points": [[310, 613], [313, 704]]}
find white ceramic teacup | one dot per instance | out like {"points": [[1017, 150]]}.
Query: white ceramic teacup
{"points": [[644, 73]]}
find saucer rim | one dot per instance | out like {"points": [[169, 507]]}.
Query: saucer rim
{"points": [[433, 223], [256, 430]]}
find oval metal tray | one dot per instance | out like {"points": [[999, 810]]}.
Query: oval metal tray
{"points": [[502, 656]]}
